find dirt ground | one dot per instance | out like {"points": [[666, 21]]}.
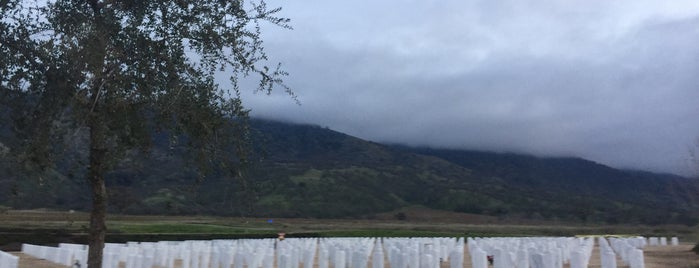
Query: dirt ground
{"points": [[26, 261], [668, 256], [655, 257]]}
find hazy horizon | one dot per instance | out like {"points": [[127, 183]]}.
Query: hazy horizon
{"points": [[612, 82]]}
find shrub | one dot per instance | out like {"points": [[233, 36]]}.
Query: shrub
{"points": [[400, 216]]}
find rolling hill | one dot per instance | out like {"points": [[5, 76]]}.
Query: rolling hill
{"points": [[310, 171]]}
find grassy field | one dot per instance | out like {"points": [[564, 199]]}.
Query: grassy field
{"points": [[52, 227]]}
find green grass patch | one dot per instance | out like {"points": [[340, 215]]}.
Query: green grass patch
{"points": [[310, 175], [178, 228], [388, 233]]}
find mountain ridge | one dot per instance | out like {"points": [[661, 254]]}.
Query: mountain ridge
{"points": [[309, 171]]}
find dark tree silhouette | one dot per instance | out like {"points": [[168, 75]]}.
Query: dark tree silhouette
{"points": [[117, 71]]}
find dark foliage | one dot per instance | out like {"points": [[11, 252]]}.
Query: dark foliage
{"points": [[310, 171], [99, 78]]}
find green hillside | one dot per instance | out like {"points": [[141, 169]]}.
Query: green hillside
{"points": [[309, 171]]}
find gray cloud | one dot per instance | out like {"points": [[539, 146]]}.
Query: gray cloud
{"points": [[612, 81]]}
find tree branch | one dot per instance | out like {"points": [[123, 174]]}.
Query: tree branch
{"points": [[96, 6]]}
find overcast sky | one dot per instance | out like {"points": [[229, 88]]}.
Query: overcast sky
{"points": [[616, 82]]}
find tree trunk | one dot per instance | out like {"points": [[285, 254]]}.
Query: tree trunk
{"points": [[98, 141], [98, 227]]}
